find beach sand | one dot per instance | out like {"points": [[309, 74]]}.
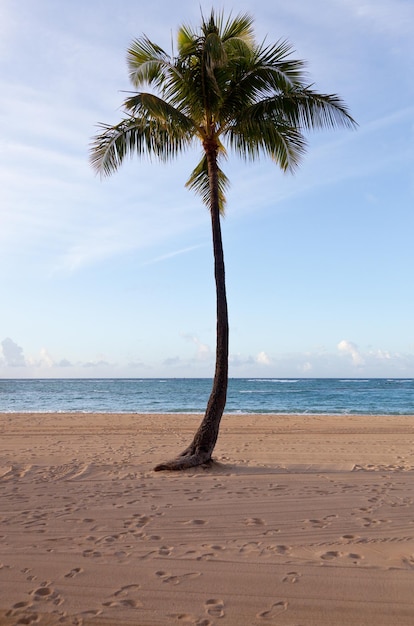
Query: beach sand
{"points": [[303, 521]]}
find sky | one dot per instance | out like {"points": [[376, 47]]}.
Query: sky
{"points": [[114, 277]]}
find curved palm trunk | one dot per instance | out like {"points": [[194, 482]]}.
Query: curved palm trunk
{"points": [[202, 446]]}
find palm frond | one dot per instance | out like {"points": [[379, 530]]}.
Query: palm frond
{"points": [[133, 136], [200, 183], [147, 62], [251, 138], [187, 41], [221, 85], [308, 109], [240, 27], [303, 109], [151, 106]]}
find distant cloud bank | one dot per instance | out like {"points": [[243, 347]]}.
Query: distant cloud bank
{"points": [[348, 360]]}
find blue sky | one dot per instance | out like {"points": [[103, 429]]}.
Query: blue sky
{"points": [[115, 277]]}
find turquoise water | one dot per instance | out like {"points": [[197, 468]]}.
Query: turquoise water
{"points": [[186, 395]]}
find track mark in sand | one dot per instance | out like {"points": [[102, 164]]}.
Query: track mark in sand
{"points": [[31, 618], [275, 610], [214, 607], [141, 520], [369, 521], [20, 605], [207, 556], [291, 577], [14, 471], [126, 597], [187, 618], [332, 554], [320, 523], [90, 613], [254, 521], [46, 593], [67, 471], [281, 549], [167, 577], [126, 589], [74, 572], [271, 532], [91, 553], [127, 603], [22, 612], [408, 562], [251, 546]]}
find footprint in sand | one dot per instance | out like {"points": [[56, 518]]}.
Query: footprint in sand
{"points": [[275, 610], [369, 521], [44, 592], [21, 605], [188, 618], [128, 603], [214, 607], [31, 618], [320, 523], [167, 577], [408, 562], [254, 521], [126, 597], [124, 591], [74, 572], [272, 549], [141, 520], [291, 577], [332, 554], [18, 610], [251, 546], [91, 553]]}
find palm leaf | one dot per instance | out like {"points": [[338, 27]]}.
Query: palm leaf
{"points": [[147, 62], [200, 183], [308, 109], [240, 27], [145, 138], [252, 138], [151, 106]]}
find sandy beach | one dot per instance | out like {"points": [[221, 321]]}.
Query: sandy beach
{"points": [[303, 521]]}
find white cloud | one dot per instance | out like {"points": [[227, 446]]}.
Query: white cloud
{"points": [[203, 351], [381, 355], [263, 359], [41, 361], [12, 353], [351, 349]]}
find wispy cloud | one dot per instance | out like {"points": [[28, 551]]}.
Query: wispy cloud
{"points": [[171, 255], [203, 351], [394, 17]]}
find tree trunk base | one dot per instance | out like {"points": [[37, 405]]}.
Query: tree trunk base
{"points": [[185, 461]]}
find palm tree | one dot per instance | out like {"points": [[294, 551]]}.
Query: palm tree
{"points": [[220, 86]]}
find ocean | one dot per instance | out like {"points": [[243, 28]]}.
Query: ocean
{"points": [[189, 395]]}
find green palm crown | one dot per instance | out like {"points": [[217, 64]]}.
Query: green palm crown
{"points": [[222, 89]]}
